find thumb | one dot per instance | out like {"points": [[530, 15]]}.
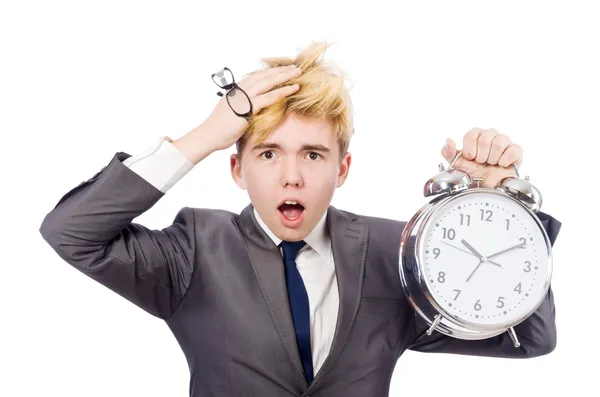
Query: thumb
{"points": [[449, 150]]}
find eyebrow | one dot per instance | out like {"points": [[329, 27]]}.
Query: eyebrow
{"points": [[272, 145]]}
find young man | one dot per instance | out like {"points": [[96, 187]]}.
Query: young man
{"points": [[292, 297]]}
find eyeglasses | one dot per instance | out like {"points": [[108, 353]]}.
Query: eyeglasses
{"points": [[237, 98]]}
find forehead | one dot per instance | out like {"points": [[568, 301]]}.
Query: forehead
{"points": [[295, 129]]}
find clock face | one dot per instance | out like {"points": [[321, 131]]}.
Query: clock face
{"points": [[484, 259]]}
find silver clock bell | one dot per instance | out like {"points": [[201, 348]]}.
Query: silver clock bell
{"points": [[453, 180]]}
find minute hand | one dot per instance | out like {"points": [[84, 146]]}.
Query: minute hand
{"points": [[506, 250]]}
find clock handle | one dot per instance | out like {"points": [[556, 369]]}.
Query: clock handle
{"points": [[513, 336], [459, 153]]}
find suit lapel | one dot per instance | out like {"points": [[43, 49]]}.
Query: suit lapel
{"points": [[267, 262], [349, 240]]}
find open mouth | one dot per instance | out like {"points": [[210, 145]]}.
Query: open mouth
{"points": [[291, 211]]}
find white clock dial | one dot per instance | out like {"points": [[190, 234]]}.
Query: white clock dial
{"points": [[464, 265]]}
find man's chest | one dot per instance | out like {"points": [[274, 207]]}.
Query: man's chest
{"points": [[242, 307]]}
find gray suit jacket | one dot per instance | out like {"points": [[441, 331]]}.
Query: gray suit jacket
{"points": [[217, 280]]}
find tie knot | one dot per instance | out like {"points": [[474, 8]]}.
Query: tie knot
{"points": [[291, 249]]}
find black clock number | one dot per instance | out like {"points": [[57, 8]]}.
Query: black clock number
{"points": [[462, 219], [477, 306], [450, 234], [489, 215], [436, 252], [457, 293], [507, 224], [441, 277], [500, 302], [528, 268], [523, 241], [518, 288]]}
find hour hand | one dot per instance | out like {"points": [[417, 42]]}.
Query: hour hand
{"points": [[473, 250]]}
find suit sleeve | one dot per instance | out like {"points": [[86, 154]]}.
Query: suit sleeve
{"points": [[91, 229], [536, 334]]}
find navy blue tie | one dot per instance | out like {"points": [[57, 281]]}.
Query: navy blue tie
{"points": [[298, 304]]}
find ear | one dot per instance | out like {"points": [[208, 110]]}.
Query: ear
{"points": [[236, 170], [344, 169]]}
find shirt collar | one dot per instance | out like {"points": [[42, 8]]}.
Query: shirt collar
{"points": [[318, 239]]}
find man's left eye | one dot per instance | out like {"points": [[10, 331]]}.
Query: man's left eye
{"points": [[314, 155]]}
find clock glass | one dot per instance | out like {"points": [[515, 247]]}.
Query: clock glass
{"points": [[484, 259]]}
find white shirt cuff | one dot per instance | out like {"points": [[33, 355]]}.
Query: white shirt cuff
{"points": [[161, 164]]}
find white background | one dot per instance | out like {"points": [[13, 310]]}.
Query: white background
{"points": [[80, 81]]}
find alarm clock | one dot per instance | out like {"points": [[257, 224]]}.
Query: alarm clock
{"points": [[476, 261]]}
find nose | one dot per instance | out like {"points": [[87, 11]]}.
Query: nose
{"points": [[291, 172]]}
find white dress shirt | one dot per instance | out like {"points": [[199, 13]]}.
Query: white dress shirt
{"points": [[162, 165]]}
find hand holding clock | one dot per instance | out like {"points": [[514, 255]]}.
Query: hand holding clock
{"points": [[486, 154]]}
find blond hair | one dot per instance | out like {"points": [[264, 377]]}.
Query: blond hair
{"points": [[322, 95]]}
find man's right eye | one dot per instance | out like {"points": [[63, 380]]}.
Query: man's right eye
{"points": [[268, 155]]}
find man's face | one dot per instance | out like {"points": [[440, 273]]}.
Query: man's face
{"points": [[300, 161]]}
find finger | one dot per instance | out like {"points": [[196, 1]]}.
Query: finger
{"points": [[470, 143], [449, 150], [267, 83], [273, 96], [484, 145], [499, 145], [512, 154], [251, 78]]}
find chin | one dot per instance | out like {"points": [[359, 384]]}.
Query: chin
{"points": [[288, 234]]}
